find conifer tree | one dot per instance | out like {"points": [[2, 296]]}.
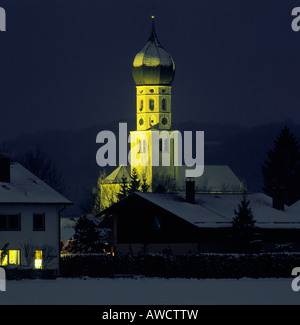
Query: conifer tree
{"points": [[124, 189], [145, 187], [243, 227], [86, 237], [281, 171], [135, 183]]}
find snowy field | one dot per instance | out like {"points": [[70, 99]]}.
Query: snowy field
{"points": [[149, 291]]}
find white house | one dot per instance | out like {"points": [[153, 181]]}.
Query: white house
{"points": [[29, 218]]}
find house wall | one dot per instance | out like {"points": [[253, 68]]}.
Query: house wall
{"points": [[50, 236]]}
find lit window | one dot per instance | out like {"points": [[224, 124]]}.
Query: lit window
{"points": [[12, 257], [3, 259], [38, 260], [39, 221]]}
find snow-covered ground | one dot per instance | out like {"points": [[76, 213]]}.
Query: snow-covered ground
{"points": [[149, 291]]}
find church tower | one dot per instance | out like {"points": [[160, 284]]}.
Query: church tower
{"points": [[153, 73]]}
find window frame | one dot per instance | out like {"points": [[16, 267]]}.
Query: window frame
{"points": [[164, 104], [38, 256], [44, 221], [8, 257], [8, 222]]}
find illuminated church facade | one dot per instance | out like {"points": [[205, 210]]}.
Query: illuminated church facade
{"points": [[153, 73]]}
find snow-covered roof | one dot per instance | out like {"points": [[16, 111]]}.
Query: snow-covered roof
{"points": [[25, 187], [117, 175], [217, 210], [215, 178]]}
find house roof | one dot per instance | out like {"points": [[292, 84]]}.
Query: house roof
{"points": [[215, 178], [25, 187], [217, 210]]}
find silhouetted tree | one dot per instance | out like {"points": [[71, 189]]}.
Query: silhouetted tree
{"points": [[281, 171], [86, 237], [134, 183], [145, 186], [123, 190], [164, 184], [243, 227], [43, 167]]}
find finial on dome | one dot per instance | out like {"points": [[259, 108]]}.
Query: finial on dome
{"points": [[153, 35]]}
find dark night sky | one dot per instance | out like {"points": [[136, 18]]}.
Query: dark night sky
{"points": [[67, 63]]}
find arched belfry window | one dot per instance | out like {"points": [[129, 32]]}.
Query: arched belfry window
{"points": [[164, 104], [151, 104], [164, 145], [141, 105], [141, 146]]}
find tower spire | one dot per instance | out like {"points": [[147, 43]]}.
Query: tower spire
{"points": [[153, 35]]}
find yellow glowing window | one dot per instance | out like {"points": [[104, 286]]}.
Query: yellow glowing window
{"points": [[38, 260], [4, 259], [14, 257]]}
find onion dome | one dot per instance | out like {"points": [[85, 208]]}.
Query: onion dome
{"points": [[153, 65]]}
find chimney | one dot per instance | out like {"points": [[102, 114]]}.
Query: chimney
{"points": [[278, 199], [4, 168], [190, 190]]}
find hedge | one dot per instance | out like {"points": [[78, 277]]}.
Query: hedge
{"points": [[181, 266]]}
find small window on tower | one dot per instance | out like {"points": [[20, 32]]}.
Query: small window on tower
{"points": [[166, 144], [142, 146], [164, 104], [151, 104], [141, 105]]}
